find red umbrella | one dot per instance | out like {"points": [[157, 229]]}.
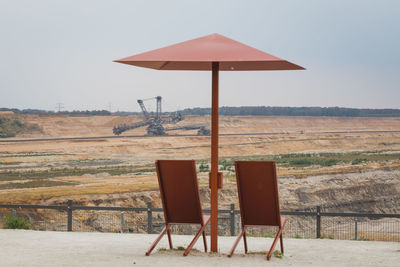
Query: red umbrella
{"points": [[212, 52]]}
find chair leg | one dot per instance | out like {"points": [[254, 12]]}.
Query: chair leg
{"points": [[166, 228], [245, 242], [283, 222], [205, 241], [202, 228], [278, 235], [274, 243], [169, 238], [242, 233]]}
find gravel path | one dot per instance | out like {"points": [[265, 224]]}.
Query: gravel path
{"points": [[37, 248]]}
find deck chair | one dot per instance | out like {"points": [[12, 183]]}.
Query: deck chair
{"points": [[180, 199], [258, 197]]}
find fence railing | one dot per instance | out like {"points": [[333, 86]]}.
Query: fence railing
{"points": [[351, 225]]}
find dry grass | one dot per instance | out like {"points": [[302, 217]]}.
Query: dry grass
{"points": [[70, 192]]}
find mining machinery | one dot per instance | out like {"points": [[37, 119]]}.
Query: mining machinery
{"points": [[155, 123]]}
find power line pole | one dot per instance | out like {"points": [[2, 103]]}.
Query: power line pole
{"points": [[59, 107]]}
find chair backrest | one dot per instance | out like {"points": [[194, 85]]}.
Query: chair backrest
{"points": [[258, 193], [179, 191]]}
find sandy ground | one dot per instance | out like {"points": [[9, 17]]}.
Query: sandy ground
{"points": [[36, 248], [292, 134], [64, 126]]}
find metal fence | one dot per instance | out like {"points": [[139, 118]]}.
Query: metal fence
{"points": [[301, 224]]}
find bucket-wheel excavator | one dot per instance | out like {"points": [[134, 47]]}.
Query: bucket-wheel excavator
{"points": [[155, 123]]}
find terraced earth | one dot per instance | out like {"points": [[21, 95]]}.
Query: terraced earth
{"points": [[321, 160]]}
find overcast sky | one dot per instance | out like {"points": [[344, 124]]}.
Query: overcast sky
{"points": [[61, 52]]}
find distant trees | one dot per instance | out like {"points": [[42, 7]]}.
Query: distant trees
{"points": [[296, 111], [67, 113], [85, 113], [238, 111]]}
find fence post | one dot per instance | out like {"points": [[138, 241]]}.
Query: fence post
{"points": [[122, 222], [318, 221], [69, 210], [355, 229], [232, 219], [149, 218], [14, 213]]}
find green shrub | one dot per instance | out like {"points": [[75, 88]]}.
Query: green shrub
{"points": [[12, 222], [203, 167], [328, 162], [225, 165], [278, 254], [269, 235], [10, 127], [358, 161], [301, 162]]}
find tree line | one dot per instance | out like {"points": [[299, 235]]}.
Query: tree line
{"points": [[295, 111], [66, 113], [236, 111]]}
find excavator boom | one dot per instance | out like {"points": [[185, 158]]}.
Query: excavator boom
{"points": [[155, 124]]}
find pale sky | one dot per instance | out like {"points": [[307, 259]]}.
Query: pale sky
{"points": [[61, 51]]}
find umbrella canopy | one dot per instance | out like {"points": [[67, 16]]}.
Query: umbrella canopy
{"points": [[212, 52], [199, 53]]}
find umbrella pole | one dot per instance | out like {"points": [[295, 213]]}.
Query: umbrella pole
{"points": [[214, 158]]}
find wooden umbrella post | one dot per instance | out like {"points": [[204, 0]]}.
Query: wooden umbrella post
{"points": [[214, 158]]}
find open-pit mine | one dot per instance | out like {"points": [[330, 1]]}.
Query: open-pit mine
{"points": [[339, 163]]}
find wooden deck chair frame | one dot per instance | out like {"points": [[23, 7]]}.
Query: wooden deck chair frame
{"points": [[259, 201], [179, 192]]}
